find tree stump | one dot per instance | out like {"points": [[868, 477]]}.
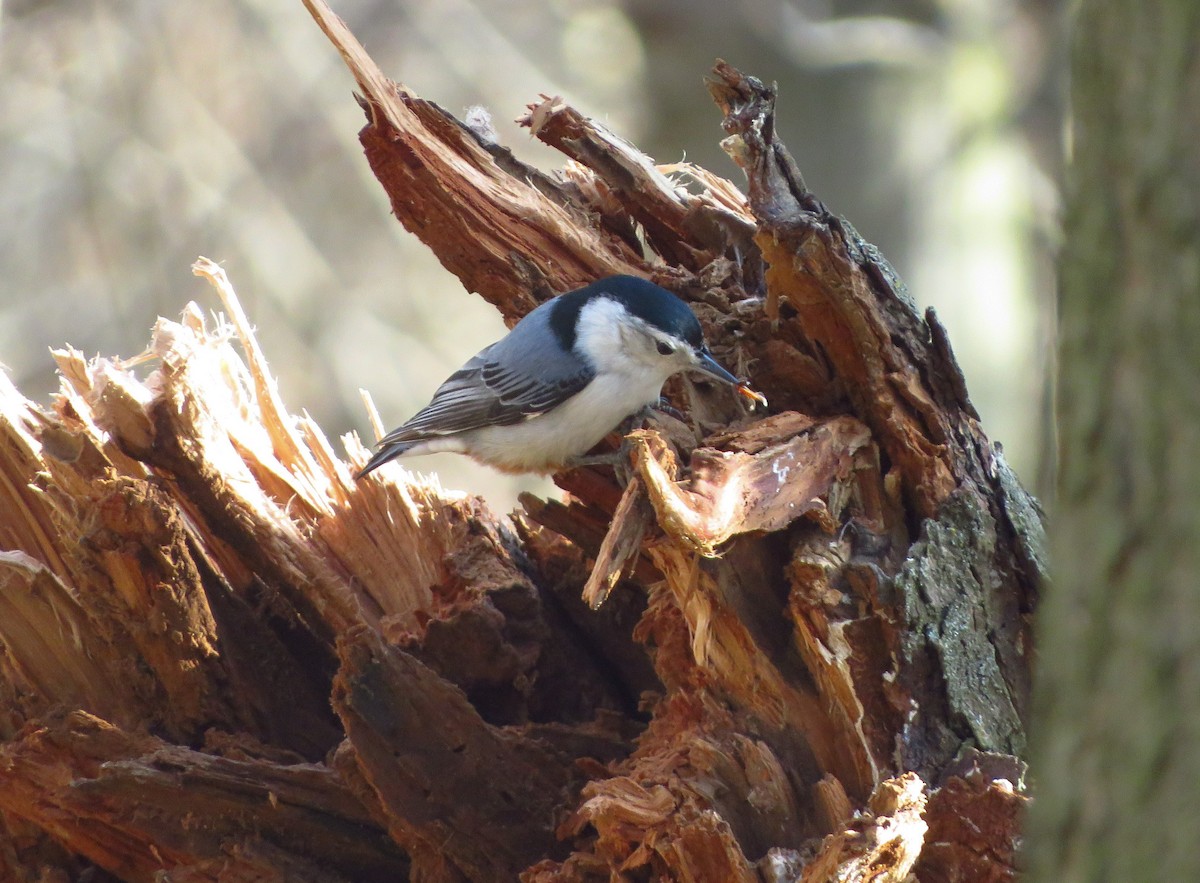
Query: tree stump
{"points": [[794, 646]]}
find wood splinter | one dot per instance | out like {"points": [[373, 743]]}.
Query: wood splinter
{"points": [[630, 522]]}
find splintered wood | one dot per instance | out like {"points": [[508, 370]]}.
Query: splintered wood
{"points": [[138, 805], [181, 555], [789, 476], [790, 646]]}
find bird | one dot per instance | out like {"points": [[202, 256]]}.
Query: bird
{"points": [[565, 376]]}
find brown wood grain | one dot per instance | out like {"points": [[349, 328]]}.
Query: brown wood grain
{"points": [[223, 657]]}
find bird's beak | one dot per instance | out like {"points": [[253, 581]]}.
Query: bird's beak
{"points": [[706, 364]]}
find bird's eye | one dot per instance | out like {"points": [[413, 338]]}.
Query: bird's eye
{"points": [[665, 348]]}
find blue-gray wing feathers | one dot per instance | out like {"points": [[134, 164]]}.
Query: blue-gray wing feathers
{"points": [[485, 393], [525, 374]]}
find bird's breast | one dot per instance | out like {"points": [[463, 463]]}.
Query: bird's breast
{"points": [[545, 442]]}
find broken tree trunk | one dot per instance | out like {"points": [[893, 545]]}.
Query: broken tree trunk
{"points": [[793, 646]]}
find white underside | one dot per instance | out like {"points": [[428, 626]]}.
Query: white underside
{"points": [[544, 443]]}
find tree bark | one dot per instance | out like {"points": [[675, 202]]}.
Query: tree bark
{"points": [[790, 646], [1117, 701]]}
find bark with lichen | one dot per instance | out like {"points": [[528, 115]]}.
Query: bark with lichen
{"points": [[793, 646]]}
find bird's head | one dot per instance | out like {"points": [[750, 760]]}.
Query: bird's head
{"points": [[626, 324]]}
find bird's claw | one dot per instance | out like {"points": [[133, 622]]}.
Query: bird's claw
{"points": [[665, 407], [620, 459]]}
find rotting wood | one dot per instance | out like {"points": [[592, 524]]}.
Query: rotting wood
{"points": [[734, 492], [139, 806], [623, 540], [134, 599], [685, 228], [883, 844], [901, 379], [454, 790], [441, 178], [826, 608]]}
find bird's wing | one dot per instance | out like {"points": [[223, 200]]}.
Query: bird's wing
{"points": [[498, 387]]}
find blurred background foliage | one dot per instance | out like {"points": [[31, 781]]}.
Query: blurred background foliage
{"points": [[139, 134]]}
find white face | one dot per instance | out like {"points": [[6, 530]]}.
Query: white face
{"points": [[655, 350], [614, 341]]}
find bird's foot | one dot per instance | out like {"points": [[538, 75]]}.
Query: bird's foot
{"points": [[662, 406], [618, 460]]}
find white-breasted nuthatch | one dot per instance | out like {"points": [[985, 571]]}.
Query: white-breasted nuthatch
{"points": [[566, 375]]}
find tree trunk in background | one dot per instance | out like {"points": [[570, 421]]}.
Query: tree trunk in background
{"points": [[791, 646], [1117, 763]]}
